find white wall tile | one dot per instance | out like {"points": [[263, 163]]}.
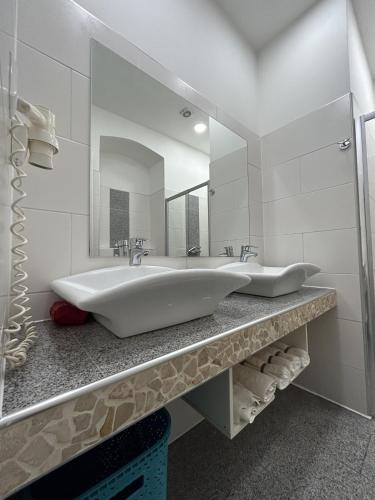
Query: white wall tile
{"points": [[336, 381], [66, 187], [223, 200], [64, 33], [331, 208], [333, 251], [331, 338], [80, 108], [48, 248], [7, 45], [348, 293], [283, 250], [228, 168], [240, 193], [34, 71], [5, 239], [238, 223], [5, 189], [281, 181], [326, 167], [256, 218], [8, 16], [258, 243], [255, 183], [41, 303], [321, 128], [283, 216]]}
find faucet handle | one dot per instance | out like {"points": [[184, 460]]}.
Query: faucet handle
{"points": [[137, 242]]}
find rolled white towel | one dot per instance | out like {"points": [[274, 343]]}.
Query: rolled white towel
{"points": [[296, 351], [269, 357], [280, 373], [294, 364], [261, 385], [281, 345], [244, 404], [301, 353]]}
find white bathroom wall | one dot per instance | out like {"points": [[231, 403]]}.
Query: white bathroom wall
{"points": [[194, 40], [305, 67], [310, 216], [361, 79]]}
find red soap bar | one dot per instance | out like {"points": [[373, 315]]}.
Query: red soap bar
{"points": [[64, 313]]}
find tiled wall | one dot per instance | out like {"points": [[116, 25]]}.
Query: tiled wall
{"points": [[54, 70], [310, 216]]}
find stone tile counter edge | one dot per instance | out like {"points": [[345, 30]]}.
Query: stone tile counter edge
{"points": [[33, 445]]}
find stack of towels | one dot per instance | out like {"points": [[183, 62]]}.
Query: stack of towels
{"points": [[251, 391], [256, 379]]}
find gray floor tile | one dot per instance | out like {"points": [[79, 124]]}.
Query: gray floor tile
{"points": [[302, 447], [368, 468]]}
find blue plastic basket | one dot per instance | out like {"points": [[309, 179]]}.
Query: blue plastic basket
{"points": [[145, 477], [132, 465]]}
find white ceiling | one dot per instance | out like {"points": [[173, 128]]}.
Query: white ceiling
{"points": [[123, 89], [365, 13], [260, 21]]}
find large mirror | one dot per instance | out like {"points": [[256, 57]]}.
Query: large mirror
{"points": [[162, 170]]}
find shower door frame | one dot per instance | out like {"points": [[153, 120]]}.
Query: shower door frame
{"points": [[179, 195], [366, 258]]}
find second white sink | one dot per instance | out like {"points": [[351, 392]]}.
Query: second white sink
{"points": [[136, 299], [272, 281]]}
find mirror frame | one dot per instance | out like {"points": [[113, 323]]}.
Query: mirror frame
{"points": [[179, 87]]}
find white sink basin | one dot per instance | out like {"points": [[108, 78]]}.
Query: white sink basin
{"points": [[272, 281], [132, 300]]}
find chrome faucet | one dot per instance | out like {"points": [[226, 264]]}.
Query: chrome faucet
{"points": [[228, 252], [121, 244], [246, 252], [194, 251], [136, 251]]}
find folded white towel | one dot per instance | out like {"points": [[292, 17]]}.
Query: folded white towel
{"points": [[244, 404], [261, 385], [296, 351], [246, 396], [293, 364], [281, 374]]}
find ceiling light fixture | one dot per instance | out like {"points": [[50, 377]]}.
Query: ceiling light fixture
{"points": [[185, 112], [199, 128]]}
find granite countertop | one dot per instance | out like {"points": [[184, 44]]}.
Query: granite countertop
{"points": [[68, 358]]}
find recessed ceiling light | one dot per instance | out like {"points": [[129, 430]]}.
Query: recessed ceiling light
{"points": [[199, 128]]}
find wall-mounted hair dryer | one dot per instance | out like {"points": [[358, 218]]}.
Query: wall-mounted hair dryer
{"points": [[42, 142], [33, 141]]}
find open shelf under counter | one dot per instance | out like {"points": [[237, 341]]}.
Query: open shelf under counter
{"points": [[214, 400], [82, 384]]}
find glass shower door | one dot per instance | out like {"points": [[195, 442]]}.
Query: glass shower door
{"points": [[365, 144]]}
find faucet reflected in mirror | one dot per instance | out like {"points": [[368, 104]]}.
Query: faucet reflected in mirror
{"points": [[136, 251]]}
